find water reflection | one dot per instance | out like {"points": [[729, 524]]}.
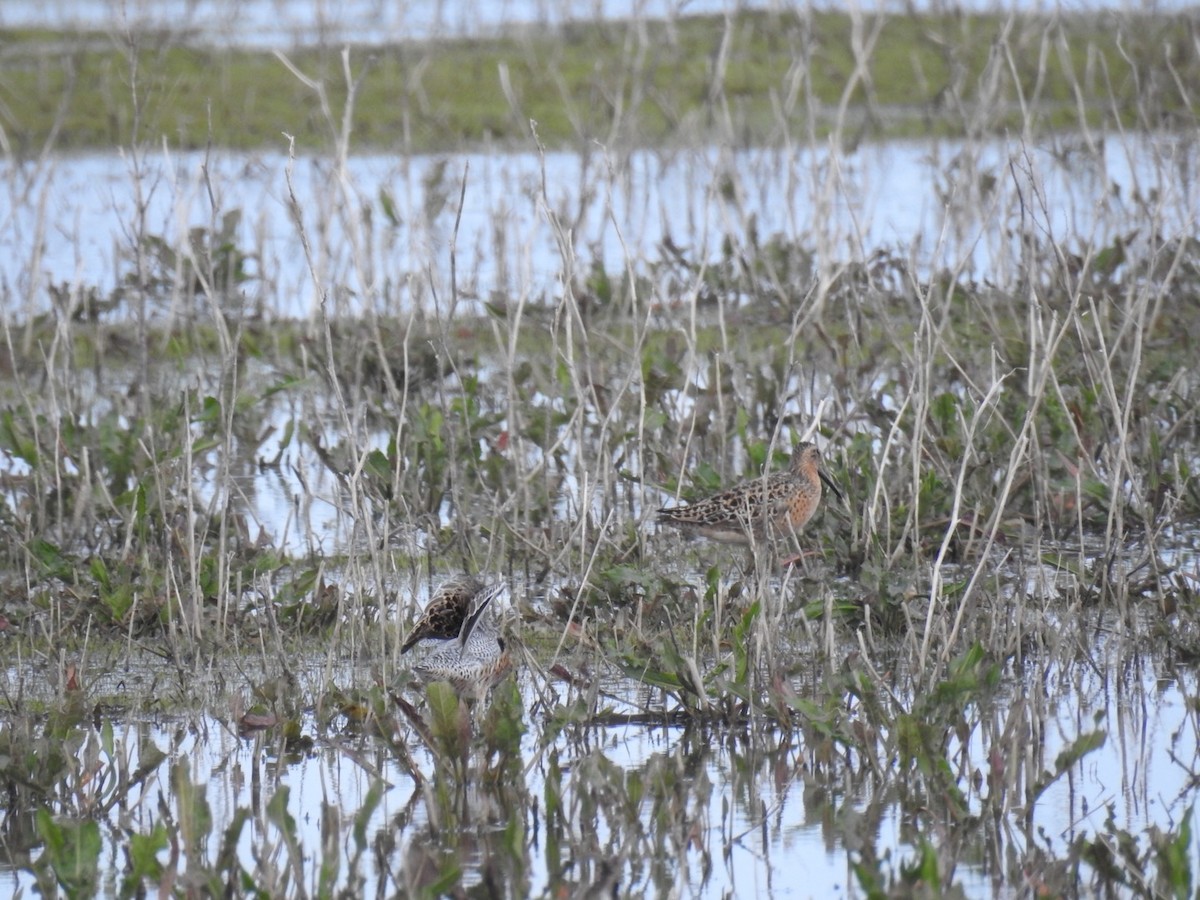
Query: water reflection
{"points": [[707, 809]]}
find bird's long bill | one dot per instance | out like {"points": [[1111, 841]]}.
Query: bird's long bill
{"points": [[829, 484]]}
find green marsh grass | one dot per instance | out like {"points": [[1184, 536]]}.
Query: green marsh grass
{"points": [[1017, 453], [763, 76]]}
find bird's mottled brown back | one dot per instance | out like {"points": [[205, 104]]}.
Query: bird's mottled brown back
{"points": [[446, 611], [757, 509]]}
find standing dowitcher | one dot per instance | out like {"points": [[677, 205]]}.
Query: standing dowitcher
{"points": [[759, 510], [479, 659]]}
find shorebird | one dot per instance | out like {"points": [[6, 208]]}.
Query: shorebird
{"points": [[447, 609], [479, 659], [759, 510]]}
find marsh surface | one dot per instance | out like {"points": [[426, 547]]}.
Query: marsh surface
{"points": [[702, 810], [253, 408]]}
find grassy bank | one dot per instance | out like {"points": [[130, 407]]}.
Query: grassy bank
{"points": [[756, 77]]}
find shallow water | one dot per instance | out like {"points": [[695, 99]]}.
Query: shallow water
{"points": [[69, 221], [283, 23], [695, 811]]}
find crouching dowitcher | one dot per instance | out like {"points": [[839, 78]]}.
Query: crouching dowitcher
{"points": [[759, 510], [479, 658]]}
